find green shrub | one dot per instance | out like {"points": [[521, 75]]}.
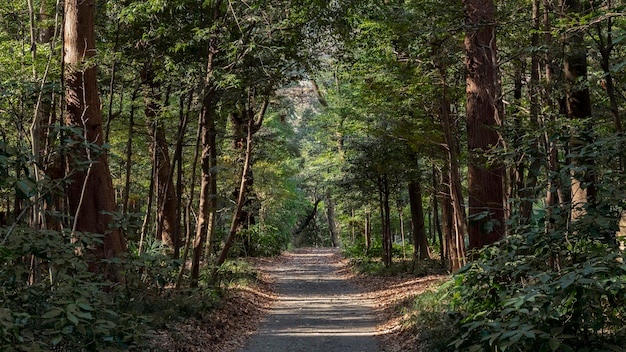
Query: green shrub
{"points": [[526, 293], [431, 319], [49, 300]]}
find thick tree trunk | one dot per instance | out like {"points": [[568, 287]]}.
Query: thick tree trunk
{"points": [[91, 192], [420, 242], [240, 124], [483, 113]]}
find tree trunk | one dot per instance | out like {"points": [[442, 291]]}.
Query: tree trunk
{"points": [[577, 108], [367, 231], [177, 163], [195, 268], [385, 220], [554, 193], [528, 193], [420, 242], [449, 250], [129, 153], [305, 223], [166, 193], [330, 216], [206, 128], [455, 244], [606, 46], [483, 113], [234, 227], [91, 192]]}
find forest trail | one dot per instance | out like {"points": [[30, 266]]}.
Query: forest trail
{"points": [[318, 308]]}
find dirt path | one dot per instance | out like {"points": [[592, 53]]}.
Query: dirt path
{"points": [[318, 309]]}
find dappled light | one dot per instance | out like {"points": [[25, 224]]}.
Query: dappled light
{"points": [[312, 175]]}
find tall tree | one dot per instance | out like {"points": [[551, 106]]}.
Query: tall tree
{"points": [[167, 204], [90, 191], [483, 114], [420, 242], [578, 110]]}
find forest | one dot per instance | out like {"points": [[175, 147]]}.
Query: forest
{"points": [[148, 147]]}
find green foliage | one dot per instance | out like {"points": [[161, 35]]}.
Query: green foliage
{"points": [[264, 241], [236, 272], [511, 299], [49, 300], [431, 320]]}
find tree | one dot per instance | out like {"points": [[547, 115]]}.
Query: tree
{"points": [[90, 192], [420, 242], [578, 110], [484, 115]]}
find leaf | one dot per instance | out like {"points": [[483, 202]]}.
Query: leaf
{"points": [[71, 317], [554, 344], [56, 340], [25, 188], [54, 312], [85, 306]]}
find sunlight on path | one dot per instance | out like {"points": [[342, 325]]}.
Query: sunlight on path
{"points": [[318, 310]]}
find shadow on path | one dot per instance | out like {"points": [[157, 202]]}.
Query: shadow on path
{"points": [[317, 309]]}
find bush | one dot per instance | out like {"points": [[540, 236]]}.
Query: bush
{"points": [[432, 320], [49, 300], [527, 293]]}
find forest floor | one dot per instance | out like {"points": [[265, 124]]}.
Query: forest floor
{"points": [[308, 300]]}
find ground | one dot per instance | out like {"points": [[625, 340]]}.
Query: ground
{"points": [[235, 322]]}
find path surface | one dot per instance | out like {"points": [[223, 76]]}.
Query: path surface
{"points": [[318, 310]]}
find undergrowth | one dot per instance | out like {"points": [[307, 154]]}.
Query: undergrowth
{"points": [[49, 300]]}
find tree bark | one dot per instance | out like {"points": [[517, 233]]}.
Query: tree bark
{"points": [[330, 216], [483, 113], [420, 242], [166, 193], [129, 154], [455, 233], [305, 223], [528, 192], [578, 108], [91, 192], [367, 231], [234, 227], [208, 183], [385, 220]]}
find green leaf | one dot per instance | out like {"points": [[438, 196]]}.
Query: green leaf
{"points": [[85, 306], [25, 188], [554, 344], [71, 317], [54, 312], [56, 340]]}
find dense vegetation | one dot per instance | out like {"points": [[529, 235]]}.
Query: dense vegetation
{"points": [[483, 138]]}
